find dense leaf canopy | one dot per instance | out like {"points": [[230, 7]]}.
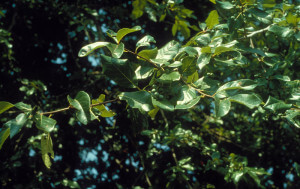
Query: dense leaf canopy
{"points": [[150, 94]]}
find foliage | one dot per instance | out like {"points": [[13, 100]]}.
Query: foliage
{"points": [[201, 111]]}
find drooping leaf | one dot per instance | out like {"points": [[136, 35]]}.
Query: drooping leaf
{"points": [[187, 98], [145, 42], [47, 148], [86, 50], [212, 19], [139, 99], [169, 77], [103, 112], [124, 31], [276, 105], [4, 133], [5, 106], [222, 107], [168, 51], [152, 113], [24, 107], [119, 70], [163, 104], [44, 123], [82, 103], [249, 100], [16, 124]]}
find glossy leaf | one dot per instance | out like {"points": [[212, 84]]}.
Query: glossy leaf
{"points": [[169, 77], [116, 50], [44, 123], [16, 124], [225, 5], [119, 70], [281, 31], [86, 50], [5, 106], [4, 133], [222, 107], [244, 84], [249, 100], [168, 51], [139, 99], [293, 117], [82, 104], [124, 31], [145, 42], [187, 98], [276, 105], [203, 60], [24, 107], [47, 148], [212, 19], [163, 104], [148, 54]]}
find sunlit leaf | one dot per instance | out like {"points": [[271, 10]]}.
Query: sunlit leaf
{"points": [[86, 50], [4, 133], [222, 107], [124, 31], [139, 99], [168, 51], [5, 106], [276, 105], [169, 77], [145, 42], [212, 19], [16, 124], [24, 107], [249, 100]]}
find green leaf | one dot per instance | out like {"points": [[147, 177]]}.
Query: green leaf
{"points": [[244, 84], [143, 72], [292, 19], [168, 51], [249, 100], [4, 133], [70, 184], [213, 1], [209, 86], [5, 106], [188, 105], [174, 28], [225, 5], [188, 66], [293, 117], [212, 19], [163, 104], [86, 50], [145, 42], [222, 107], [103, 112], [47, 148], [15, 125], [139, 99], [148, 54], [116, 50], [297, 167], [44, 123], [203, 60], [152, 113], [187, 98], [119, 70], [169, 77], [276, 105], [82, 103], [281, 31], [24, 107], [221, 49], [138, 8], [124, 31]]}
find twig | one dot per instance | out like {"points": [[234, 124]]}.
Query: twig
{"points": [[198, 90], [70, 107], [126, 50]]}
